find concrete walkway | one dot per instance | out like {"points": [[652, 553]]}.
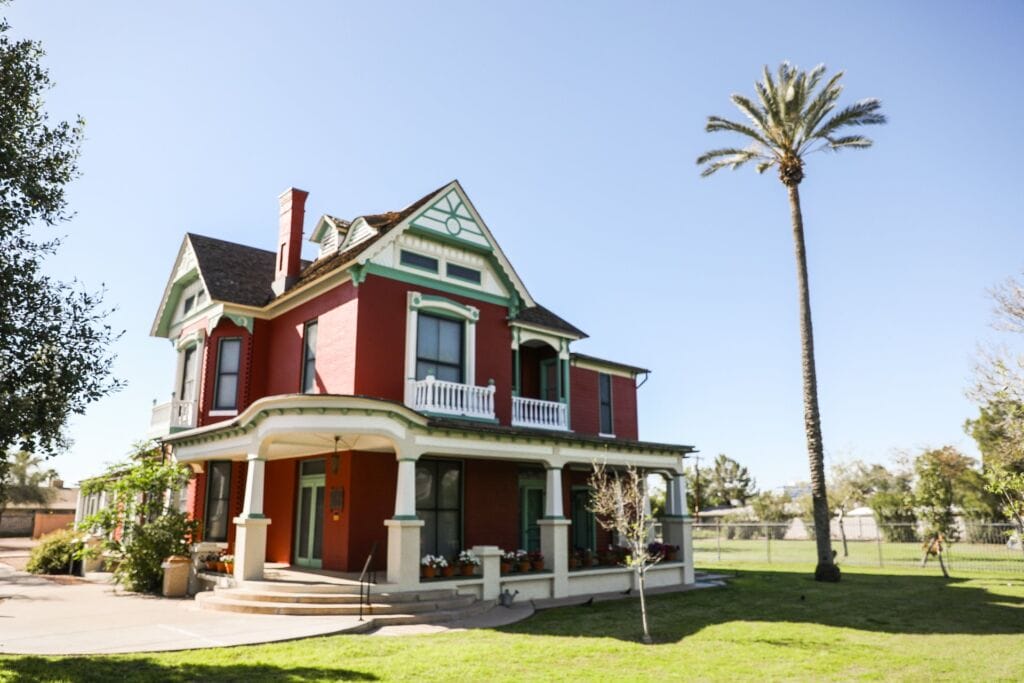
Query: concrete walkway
{"points": [[64, 615]]}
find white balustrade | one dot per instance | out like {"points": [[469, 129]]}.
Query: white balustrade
{"points": [[183, 414], [452, 398], [533, 412]]}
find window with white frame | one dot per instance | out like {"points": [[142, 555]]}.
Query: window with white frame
{"points": [[439, 348], [229, 352], [309, 357]]}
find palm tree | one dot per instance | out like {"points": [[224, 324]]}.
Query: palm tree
{"points": [[22, 480], [792, 119]]}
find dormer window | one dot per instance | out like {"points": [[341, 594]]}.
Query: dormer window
{"points": [[190, 303], [414, 260], [463, 273]]}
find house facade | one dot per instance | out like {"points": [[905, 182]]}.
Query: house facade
{"points": [[403, 391]]}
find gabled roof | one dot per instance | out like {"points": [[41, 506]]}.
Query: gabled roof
{"points": [[541, 317], [235, 273], [381, 222]]}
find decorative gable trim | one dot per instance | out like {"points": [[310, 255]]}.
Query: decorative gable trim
{"points": [[185, 272]]}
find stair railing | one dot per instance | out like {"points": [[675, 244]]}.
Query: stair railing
{"points": [[367, 578]]}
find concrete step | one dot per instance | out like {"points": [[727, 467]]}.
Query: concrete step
{"points": [[237, 601], [246, 593]]}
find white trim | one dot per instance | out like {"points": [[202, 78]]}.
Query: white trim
{"points": [[609, 368], [223, 413], [417, 301], [608, 436]]}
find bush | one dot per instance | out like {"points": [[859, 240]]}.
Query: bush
{"points": [[58, 553], [148, 546]]}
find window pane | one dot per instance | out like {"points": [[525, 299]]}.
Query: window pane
{"points": [[217, 520], [229, 349], [448, 373], [423, 369], [426, 337], [450, 342], [227, 389], [428, 533], [448, 541], [448, 492], [317, 466], [426, 494], [304, 520], [318, 527], [409, 258], [463, 273], [311, 330]]}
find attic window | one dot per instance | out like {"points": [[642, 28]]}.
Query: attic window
{"points": [[414, 260], [463, 273], [190, 303]]}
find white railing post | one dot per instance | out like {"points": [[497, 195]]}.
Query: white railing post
{"points": [[452, 398], [534, 412]]}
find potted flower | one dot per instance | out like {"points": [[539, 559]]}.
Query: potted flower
{"points": [[447, 568], [229, 563], [468, 562], [210, 561], [671, 553], [221, 567], [507, 560], [430, 564], [574, 559], [656, 550], [522, 560], [537, 561]]}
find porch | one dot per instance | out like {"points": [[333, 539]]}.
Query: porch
{"points": [[319, 470]]}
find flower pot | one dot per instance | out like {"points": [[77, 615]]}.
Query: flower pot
{"points": [[211, 565], [222, 567], [588, 561], [538, 565], [467, 569], [671, 556], [448, 571], [429, 571], [506, 567], [229, 567], [524, 566], [574, 563]]}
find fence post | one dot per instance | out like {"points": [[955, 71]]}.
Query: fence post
{"points": [[878, 542], [768, 542], [718, 537]]}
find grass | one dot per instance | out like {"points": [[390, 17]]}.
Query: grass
{"points": [[964, 557], [770, 623]]}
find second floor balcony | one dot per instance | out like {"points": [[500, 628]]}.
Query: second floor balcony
{"points": [[175, 415], [440, 397]]}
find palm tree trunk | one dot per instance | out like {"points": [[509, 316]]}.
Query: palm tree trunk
{"points": [[826, 569]]}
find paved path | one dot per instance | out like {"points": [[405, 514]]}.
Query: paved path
{"points": [[62, 615]]}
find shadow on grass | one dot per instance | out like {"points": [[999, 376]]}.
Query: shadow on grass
{"points": [[889, 603], [105, 669]]}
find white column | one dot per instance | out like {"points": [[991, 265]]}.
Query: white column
{"points": [[251, 525], [490, 570], [254, 481], [404, 528], [553, 494], [647, 509], [405, 489], [554, 543], [678, 485]]}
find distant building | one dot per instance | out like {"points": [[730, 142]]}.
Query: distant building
{"points": [[32, 519]]}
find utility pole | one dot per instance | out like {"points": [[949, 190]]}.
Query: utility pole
{"points": [[696, 488]]}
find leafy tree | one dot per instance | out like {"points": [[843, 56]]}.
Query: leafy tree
{"points": [[998, 430], [24, 481], [729, 483], [793, 118], [699, 479], [1008, 485], [54, 344], [947, 481], [138, 526], [892, 501], [617, 501], [773, 509]]}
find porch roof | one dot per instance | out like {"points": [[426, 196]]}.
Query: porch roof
{"points": [[392, 426]]}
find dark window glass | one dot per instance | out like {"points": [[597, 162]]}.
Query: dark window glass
{"points": [[317, 466], [463, 273], [605, 385], [411, 258], [309, 357], [189, 304], [188, 375], [218, 493], [439, 505], [226, 391], [439, 344]]}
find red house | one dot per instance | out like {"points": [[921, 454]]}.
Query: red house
{"points": [[404, 389]]}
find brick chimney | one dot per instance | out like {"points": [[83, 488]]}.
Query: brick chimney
{"points": [[289, 238]]}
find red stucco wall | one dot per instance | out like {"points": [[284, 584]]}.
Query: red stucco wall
{"points": [[279, 505], [380, 346], [585, 404]]}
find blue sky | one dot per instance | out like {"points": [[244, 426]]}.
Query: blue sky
{"points": [[574, 128]]}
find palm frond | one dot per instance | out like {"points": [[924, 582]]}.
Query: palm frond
{"points": [[821, 105], [753, 113], [717, 123], [863, 113], [715, 153], [767, 94], [765, 165], [849, 141]]}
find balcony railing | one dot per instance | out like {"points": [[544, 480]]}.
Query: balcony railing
{"points": [[433, 395], [171, 416], [533, 412]]}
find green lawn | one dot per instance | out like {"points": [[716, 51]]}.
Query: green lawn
{"points": [[769, 623]]}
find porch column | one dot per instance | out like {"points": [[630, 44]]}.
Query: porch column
{"points": [[404, 528], [553, 494], [647, 510], [251, 525], [677, 525]]}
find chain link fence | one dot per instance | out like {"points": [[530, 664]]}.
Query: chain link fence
{"points": [[981, 547]]}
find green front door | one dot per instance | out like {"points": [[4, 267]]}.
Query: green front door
{"points": [[583, 527], [531, 507], [309, 516]]}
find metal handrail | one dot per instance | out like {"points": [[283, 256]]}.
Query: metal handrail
{"points": [[367, 577]]}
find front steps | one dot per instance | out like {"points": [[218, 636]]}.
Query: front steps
{"points": [[317, 599]]}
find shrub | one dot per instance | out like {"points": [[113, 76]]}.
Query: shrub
{"points": [[56, 554], [148, 546]]}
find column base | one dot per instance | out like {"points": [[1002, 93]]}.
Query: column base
{"points": [[250, 547], [554, 543], [678, 530], [490, 569], [404, 552]]}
